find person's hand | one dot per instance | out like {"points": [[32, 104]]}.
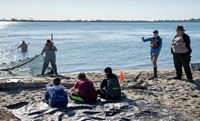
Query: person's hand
{"points": [[153, 54], [175, 42], [70, 91], [142, 38]]}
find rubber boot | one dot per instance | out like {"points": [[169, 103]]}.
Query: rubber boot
{"points": [[155, 72], [56, 72], [51, 72], [54, 68], [42, 72]]}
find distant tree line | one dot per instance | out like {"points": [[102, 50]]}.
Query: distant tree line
{"points": [[189, 20], [32, 20]]}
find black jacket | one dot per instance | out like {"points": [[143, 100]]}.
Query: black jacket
{"points": [[186, 39], [104, 82]]}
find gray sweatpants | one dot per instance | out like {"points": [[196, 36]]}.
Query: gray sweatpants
{"points": [[154, 59]]}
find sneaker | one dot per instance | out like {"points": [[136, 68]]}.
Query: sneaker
{"points": [[177, 78]]}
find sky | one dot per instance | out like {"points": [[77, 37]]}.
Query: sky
{"points": [[100, 9]]}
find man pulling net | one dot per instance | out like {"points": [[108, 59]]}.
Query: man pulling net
{"points": [[50, 57]]}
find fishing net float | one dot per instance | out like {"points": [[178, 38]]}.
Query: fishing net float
{"points": [[19, 63], [7, 51], [3, 52]]}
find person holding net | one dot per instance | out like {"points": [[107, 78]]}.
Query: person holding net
{"points": [[50, 57], [23, 46]]}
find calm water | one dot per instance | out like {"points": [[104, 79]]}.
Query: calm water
{"points": [[93, 46]]}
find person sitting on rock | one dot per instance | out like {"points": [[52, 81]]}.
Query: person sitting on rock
{"points": [[56, 96], [110, 87], [83, 90]]}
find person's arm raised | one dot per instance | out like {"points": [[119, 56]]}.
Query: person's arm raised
{"points": [[145, 40]]}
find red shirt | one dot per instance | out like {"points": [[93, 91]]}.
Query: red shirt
{"points": [[86, 90]]}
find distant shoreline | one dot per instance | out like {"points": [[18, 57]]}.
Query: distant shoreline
{"points": [[31, 20]]}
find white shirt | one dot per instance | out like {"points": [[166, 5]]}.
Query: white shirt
{"points": [[50, 88]]}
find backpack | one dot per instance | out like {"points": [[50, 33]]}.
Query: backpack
{"points": [[155, 44], [59, 99], [113, 88]]}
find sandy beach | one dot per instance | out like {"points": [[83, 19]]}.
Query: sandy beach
{"points": [[157, 99]]}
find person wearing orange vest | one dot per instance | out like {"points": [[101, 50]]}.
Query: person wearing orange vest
{"points": [[50, 56], [24, 46]]}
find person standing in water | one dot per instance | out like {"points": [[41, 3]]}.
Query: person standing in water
{"points": [[50, 56], [24, 46], [156, 45]]}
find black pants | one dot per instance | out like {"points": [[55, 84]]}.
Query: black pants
{"points": [[182, 60], [103, 95]]}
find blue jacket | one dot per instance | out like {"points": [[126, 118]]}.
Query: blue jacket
{"points": [[155, 50]]}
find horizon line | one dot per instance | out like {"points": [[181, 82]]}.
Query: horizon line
{"points": [[99, 20]]}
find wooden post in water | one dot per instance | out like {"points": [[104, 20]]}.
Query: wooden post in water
{"points": [[52, 37]]}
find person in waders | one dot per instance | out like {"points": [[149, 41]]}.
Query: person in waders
{"points": [[23, 46], [50, 57], [156, 45]]}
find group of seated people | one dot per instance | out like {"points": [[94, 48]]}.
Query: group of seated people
{"points": [[83, 90]]}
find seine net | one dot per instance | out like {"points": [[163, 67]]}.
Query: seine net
{"points": [[25, 67]]}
